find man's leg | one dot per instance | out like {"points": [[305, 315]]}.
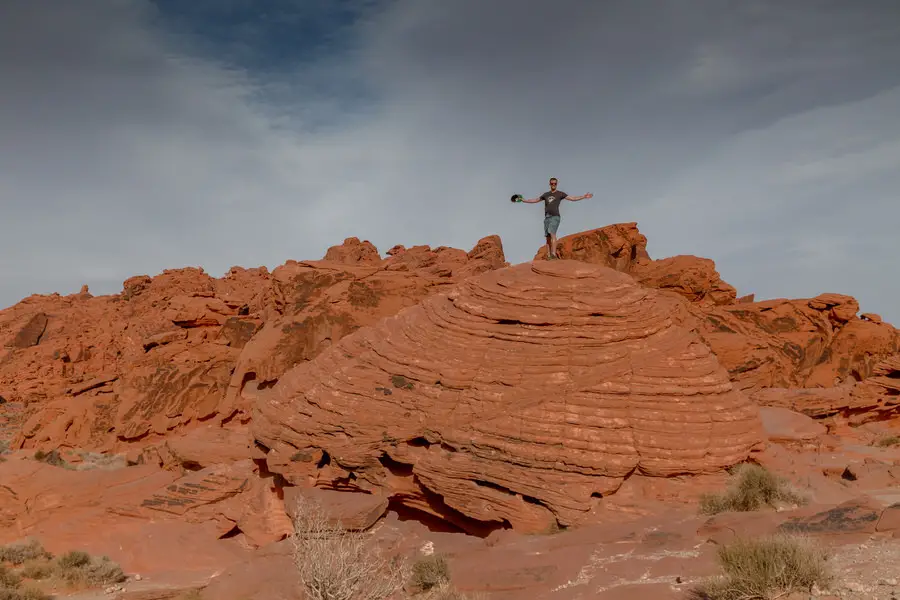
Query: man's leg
{"points": [[551, 230], [548, 236]]}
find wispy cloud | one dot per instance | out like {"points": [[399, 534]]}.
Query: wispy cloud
{"points": [[139, 137]]}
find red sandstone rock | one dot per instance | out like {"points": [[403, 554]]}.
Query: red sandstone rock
{"points": [[621, 247], [805, 343], [316, 303], [515, 397], [875, 398], [353, 252], [783, 425], [624, 248], [890, 520], [689, 276], [352, 512], [121, 367], [104, 372], [795, 343]]}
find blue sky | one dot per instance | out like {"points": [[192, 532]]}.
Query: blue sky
{"points": [[140, 136]]}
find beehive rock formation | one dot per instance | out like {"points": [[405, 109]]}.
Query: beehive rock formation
{"points": [[516, 398]]}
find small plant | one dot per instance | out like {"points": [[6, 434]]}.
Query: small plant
{"points": [[752, 488], [51, 458], [766, 568], [73, 560], [445, 591], [8, 578], [336, 564], [888, 442], [23, 593], [75, 568], [11, 587], [36, 570], [79, 568], [19, 553], [429, 572]]}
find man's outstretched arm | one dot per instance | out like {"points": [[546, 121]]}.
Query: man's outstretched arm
{"points": [[577, 198], [531, 200]]}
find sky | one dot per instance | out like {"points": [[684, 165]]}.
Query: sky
{"points": [[139, 135]]}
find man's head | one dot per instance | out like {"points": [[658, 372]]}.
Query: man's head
{"points": [[553, 183]]}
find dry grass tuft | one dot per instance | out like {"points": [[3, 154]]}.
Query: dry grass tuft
{"points": [[11, 587], [80, 569], [24, 593], [766, 568], [430, 572], [752, 488], [445, 591], [336, 564], [9, 578], [888, 442], [75, 569], [19, 553]]}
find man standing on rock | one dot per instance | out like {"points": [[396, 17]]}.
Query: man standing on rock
{"points": [[551, 202]]}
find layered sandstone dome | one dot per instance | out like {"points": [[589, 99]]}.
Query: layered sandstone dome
{"points": [[517, 397]]}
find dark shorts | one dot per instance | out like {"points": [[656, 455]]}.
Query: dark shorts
{"points": [[551, 224]]}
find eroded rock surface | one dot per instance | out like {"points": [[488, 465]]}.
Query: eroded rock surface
{"points": [[516, 398], [818, 345], [172, 351], [313, 304]]}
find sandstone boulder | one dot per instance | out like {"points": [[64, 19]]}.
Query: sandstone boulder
{"points": [[516, 398], [783, 425], [624, 248]]}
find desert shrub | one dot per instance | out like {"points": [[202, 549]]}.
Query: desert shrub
{"points": [[73, 560], [19, 553], [11, 587], [8, 578], [79, 568], [752, 488], [887, 442], [445, 591], [36, 570], [766, 568], [429, 572], [52, 458], [336, 564], [23, 593]]}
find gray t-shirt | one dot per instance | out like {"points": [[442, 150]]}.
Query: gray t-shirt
{"points": [[551, 202]]}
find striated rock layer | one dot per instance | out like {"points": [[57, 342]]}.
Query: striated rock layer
{"points": [[818, 345], [515, 398], [169, 353]]}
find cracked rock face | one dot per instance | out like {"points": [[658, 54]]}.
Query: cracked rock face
{"points": [[518, 398]]}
